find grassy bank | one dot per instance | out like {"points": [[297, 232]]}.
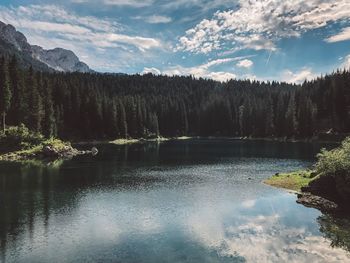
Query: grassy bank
{"points": [[292, 181], [19, 143], [56, 146]]}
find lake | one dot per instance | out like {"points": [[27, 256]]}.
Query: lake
{"points": [[177, 201]]}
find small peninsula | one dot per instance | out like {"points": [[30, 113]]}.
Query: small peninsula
{"points": [[327, 186]]}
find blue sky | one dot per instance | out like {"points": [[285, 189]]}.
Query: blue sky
{"points": [[290, 40]]}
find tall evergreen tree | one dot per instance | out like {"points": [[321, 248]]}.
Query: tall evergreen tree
{"points": [[48, 123], [291, 121], [5, 92], [122, 121], [35, 105], [17, 109]]}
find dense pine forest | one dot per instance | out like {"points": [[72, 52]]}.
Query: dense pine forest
{"points": [[107, 106]]}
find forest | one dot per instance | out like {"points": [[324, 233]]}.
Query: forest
{"points": [[82, 106]]}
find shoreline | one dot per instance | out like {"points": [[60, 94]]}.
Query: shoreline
{"points": [[293, 181], [23, 156], [297, 183], [165, 139], [49, 150], [133, 140]]}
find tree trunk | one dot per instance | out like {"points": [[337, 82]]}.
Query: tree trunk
{"points": [[4, 121]]}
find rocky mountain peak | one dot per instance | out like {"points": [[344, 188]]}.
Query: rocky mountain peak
{"points": [[58, 58], [11, 35]]}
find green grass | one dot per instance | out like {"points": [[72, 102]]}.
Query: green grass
{"points": [[292, 181], [34, 150]]}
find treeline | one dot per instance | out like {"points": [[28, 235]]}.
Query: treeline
{"points": [[98, 106]]}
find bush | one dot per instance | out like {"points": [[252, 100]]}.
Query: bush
{"points": [[335, 162], [56, 143], [18, 138]]}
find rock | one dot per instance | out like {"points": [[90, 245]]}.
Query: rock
{"points": [[335, 189], [324, 186], [60, 59], [317, 202], [94, 151], [17, 39], [49, 151], [342, 184]]}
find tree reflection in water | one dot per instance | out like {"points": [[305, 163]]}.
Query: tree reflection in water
{"points": [[336, 229]]}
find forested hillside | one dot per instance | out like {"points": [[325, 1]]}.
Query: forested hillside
{"points": [[101, 106]]}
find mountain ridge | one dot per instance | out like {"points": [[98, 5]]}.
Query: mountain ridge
{"points": [[13, 42]]}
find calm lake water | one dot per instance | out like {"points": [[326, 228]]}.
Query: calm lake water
{"points": [[183, 201]]}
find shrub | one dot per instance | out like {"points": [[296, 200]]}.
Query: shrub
{"points": [[336, 161], [19, 137]]}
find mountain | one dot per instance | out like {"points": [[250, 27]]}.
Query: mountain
{"points": [[13, 42]]}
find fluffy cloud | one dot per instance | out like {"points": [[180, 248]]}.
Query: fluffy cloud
{"points": [[245, 63], [299, 76], [342, 36], [259, 24]]}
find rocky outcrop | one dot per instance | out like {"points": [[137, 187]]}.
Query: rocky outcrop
{"points": [[317, 202], [65, 152], [58, 59], [327, 193], [17, 39], [323, 186]]}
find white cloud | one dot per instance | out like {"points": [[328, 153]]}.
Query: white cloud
{"points": [[85, 35], [202, 71], [245, 63], [154, 71], [220, 76], [262, 239], [131, 3], [98, 32], [248, 203], [204, 5], [158, 19], [259, 24], [346, 63], [155, 19], [342, 36], [299, 76]]}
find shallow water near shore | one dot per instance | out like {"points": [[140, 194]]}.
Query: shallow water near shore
{"points": [[176, 201]]}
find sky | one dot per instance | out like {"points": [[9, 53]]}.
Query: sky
{"points": [[283, 40]]}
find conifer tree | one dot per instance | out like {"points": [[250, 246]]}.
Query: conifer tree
{"points": [[122, 121], [17, 109], [49, 122], [291, 122], [5, 92], [35, 104]]}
